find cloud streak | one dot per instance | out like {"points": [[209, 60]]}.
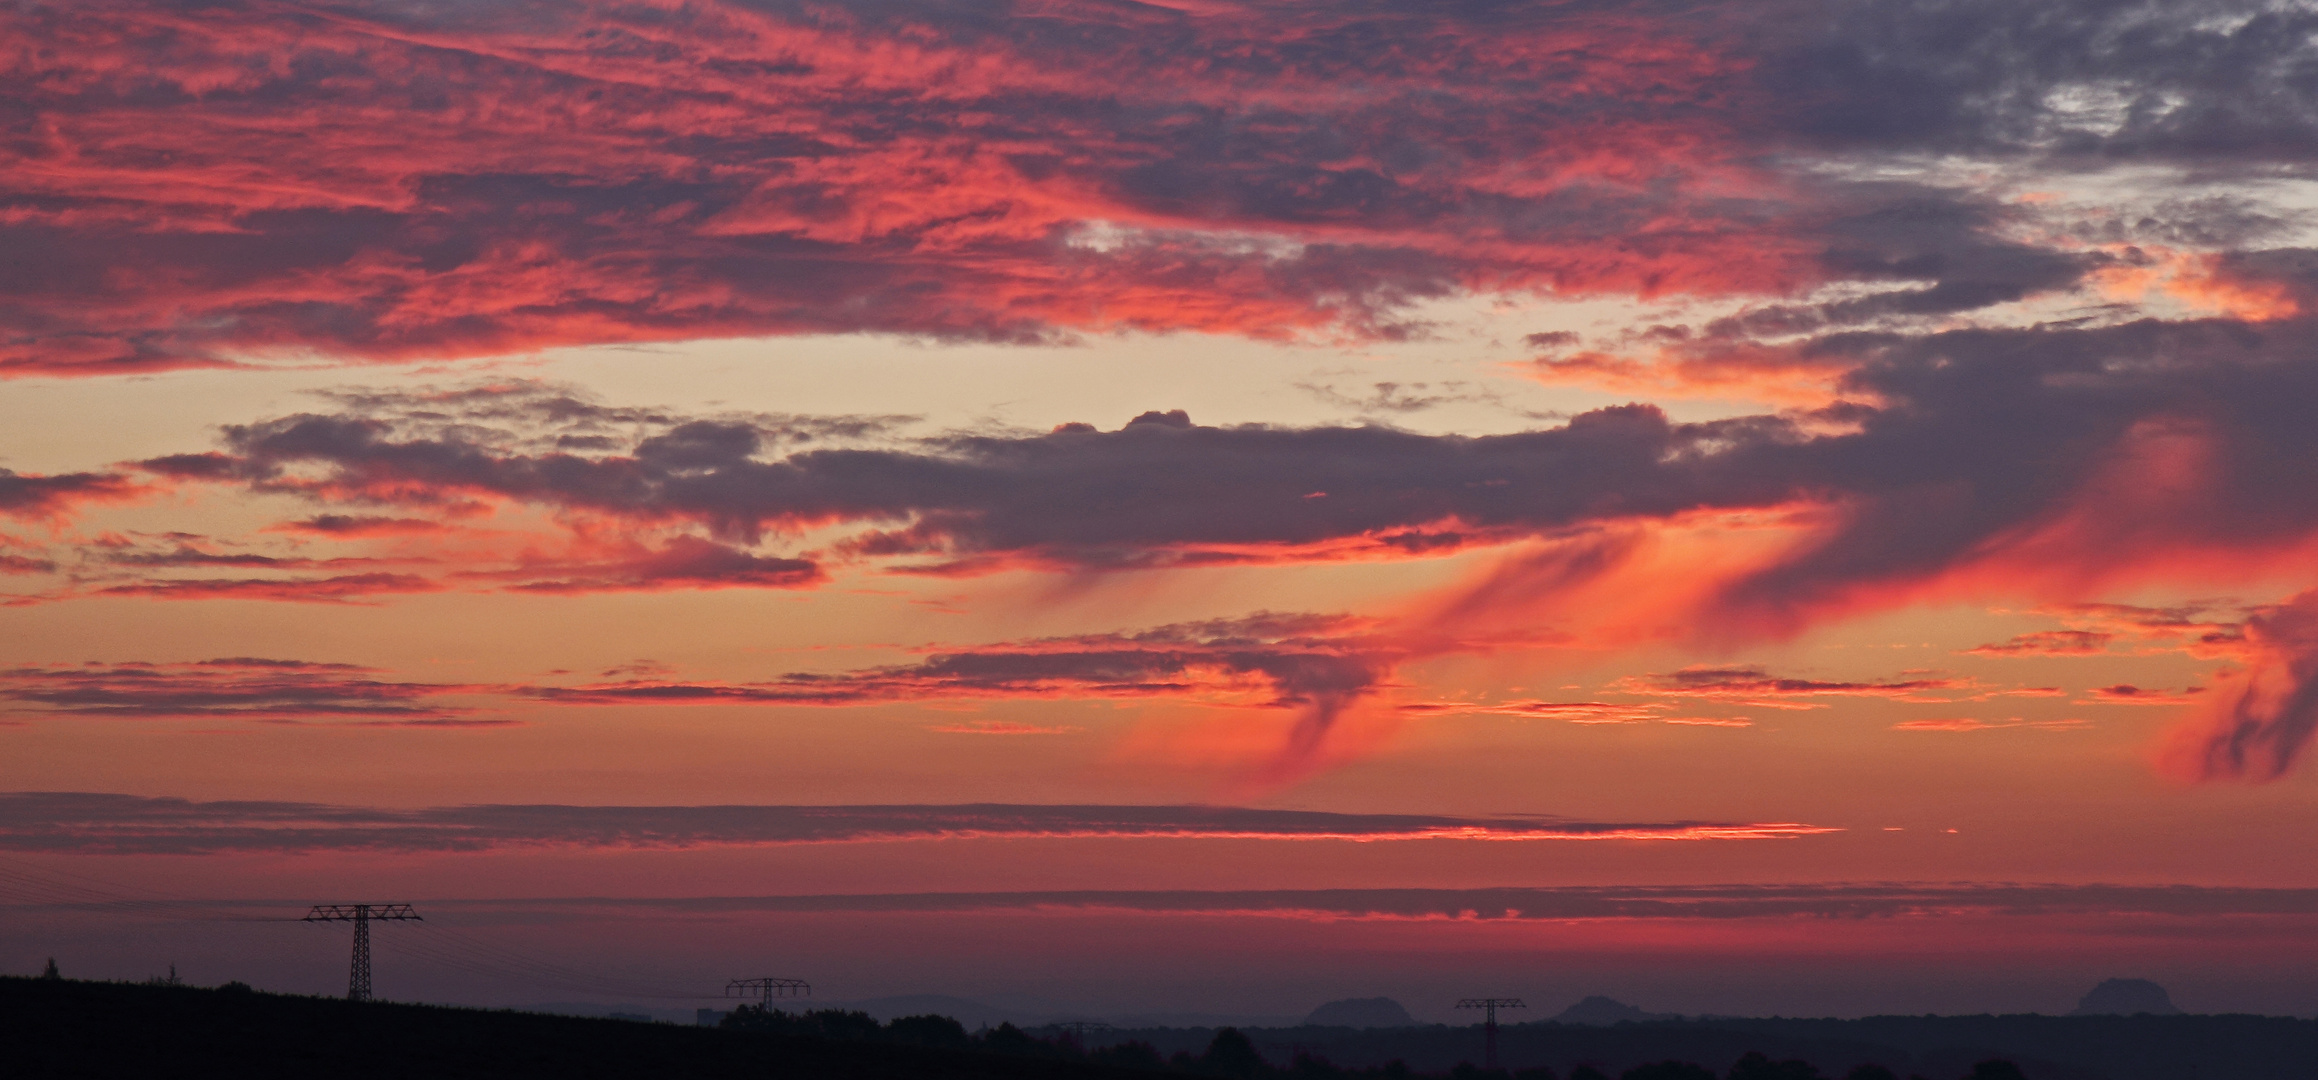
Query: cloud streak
{"points": [[247, 688], [66, 822], [1839, 900]]}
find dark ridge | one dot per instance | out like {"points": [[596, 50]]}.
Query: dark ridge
{"points": [[55, 1027], [66, 1028]]}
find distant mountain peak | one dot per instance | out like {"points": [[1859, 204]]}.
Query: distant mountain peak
{"points": [[1376, 1012], [1603, 1011], [2127, 997]]}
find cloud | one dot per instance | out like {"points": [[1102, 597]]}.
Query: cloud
{"points": [[230, 688], [339, 589], [413, 182], [2049, 643], [682, 562], [1576, 712], [2128, 694], [1316, 665], [1003, 727], [396, 181], [1754, 686], [1955, 724], [2195, 629], [126, 824], [2208, 81], [2047, 459], [2258, 728], [1841, 900], [47, 498], [346, 525]]}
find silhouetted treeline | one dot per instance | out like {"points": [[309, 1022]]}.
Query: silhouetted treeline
{"points": [[1232, 1055], [1938, 1047]]}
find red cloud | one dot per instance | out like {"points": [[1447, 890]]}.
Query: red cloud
{"points": [[385, 181]]}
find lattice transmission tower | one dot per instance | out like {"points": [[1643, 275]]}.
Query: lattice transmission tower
{"points": [[361, 915], [1489, 1025], [766, 989]]}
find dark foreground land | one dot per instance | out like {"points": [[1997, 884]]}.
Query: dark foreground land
{"points": [[60, 1028], [1937, 1047]]}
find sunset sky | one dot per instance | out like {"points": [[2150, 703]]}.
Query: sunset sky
{"points": [[1784, 506]]}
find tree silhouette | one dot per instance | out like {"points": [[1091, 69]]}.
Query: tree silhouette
{"points": [[1669, 1070], [1754, 1066], [927, 1030], [1997, 1069], [1231, 1054], [1132, 1054], [50, 971]]}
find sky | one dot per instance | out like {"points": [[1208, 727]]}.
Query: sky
{"points": [[1783, 507]]}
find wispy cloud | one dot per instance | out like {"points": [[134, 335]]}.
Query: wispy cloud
{"points": [[229, 688], [81, 822], [1841, 900]]}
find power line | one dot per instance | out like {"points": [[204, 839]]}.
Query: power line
{"points": [[430, 941], [33, 887]]}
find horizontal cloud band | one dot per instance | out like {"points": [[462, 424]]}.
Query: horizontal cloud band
{"points": [[1836, 900], [97, 823]]}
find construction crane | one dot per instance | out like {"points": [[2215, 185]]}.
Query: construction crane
{"points": [[1489, 1025], [766, 989], [361, 915]]}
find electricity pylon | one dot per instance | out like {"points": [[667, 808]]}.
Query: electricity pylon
{"points": [[766, 989], [1489, 1026], [358, 980]]}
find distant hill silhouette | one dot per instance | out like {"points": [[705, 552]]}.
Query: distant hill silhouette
{"points": [[973, 1014], [2127, 997], [1601, 1012], [1376, 1012]]}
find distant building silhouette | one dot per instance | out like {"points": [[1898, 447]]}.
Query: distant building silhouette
{"points": [[2127, 997]]}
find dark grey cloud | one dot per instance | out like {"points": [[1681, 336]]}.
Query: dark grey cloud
{"points": [[225, 688], [1839, 900], [25, 496], [2207, 83], [1953, 446], [127, 824]]}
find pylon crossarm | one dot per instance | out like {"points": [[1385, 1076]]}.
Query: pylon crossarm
{"points": [[353, 912], [766, 989]]}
